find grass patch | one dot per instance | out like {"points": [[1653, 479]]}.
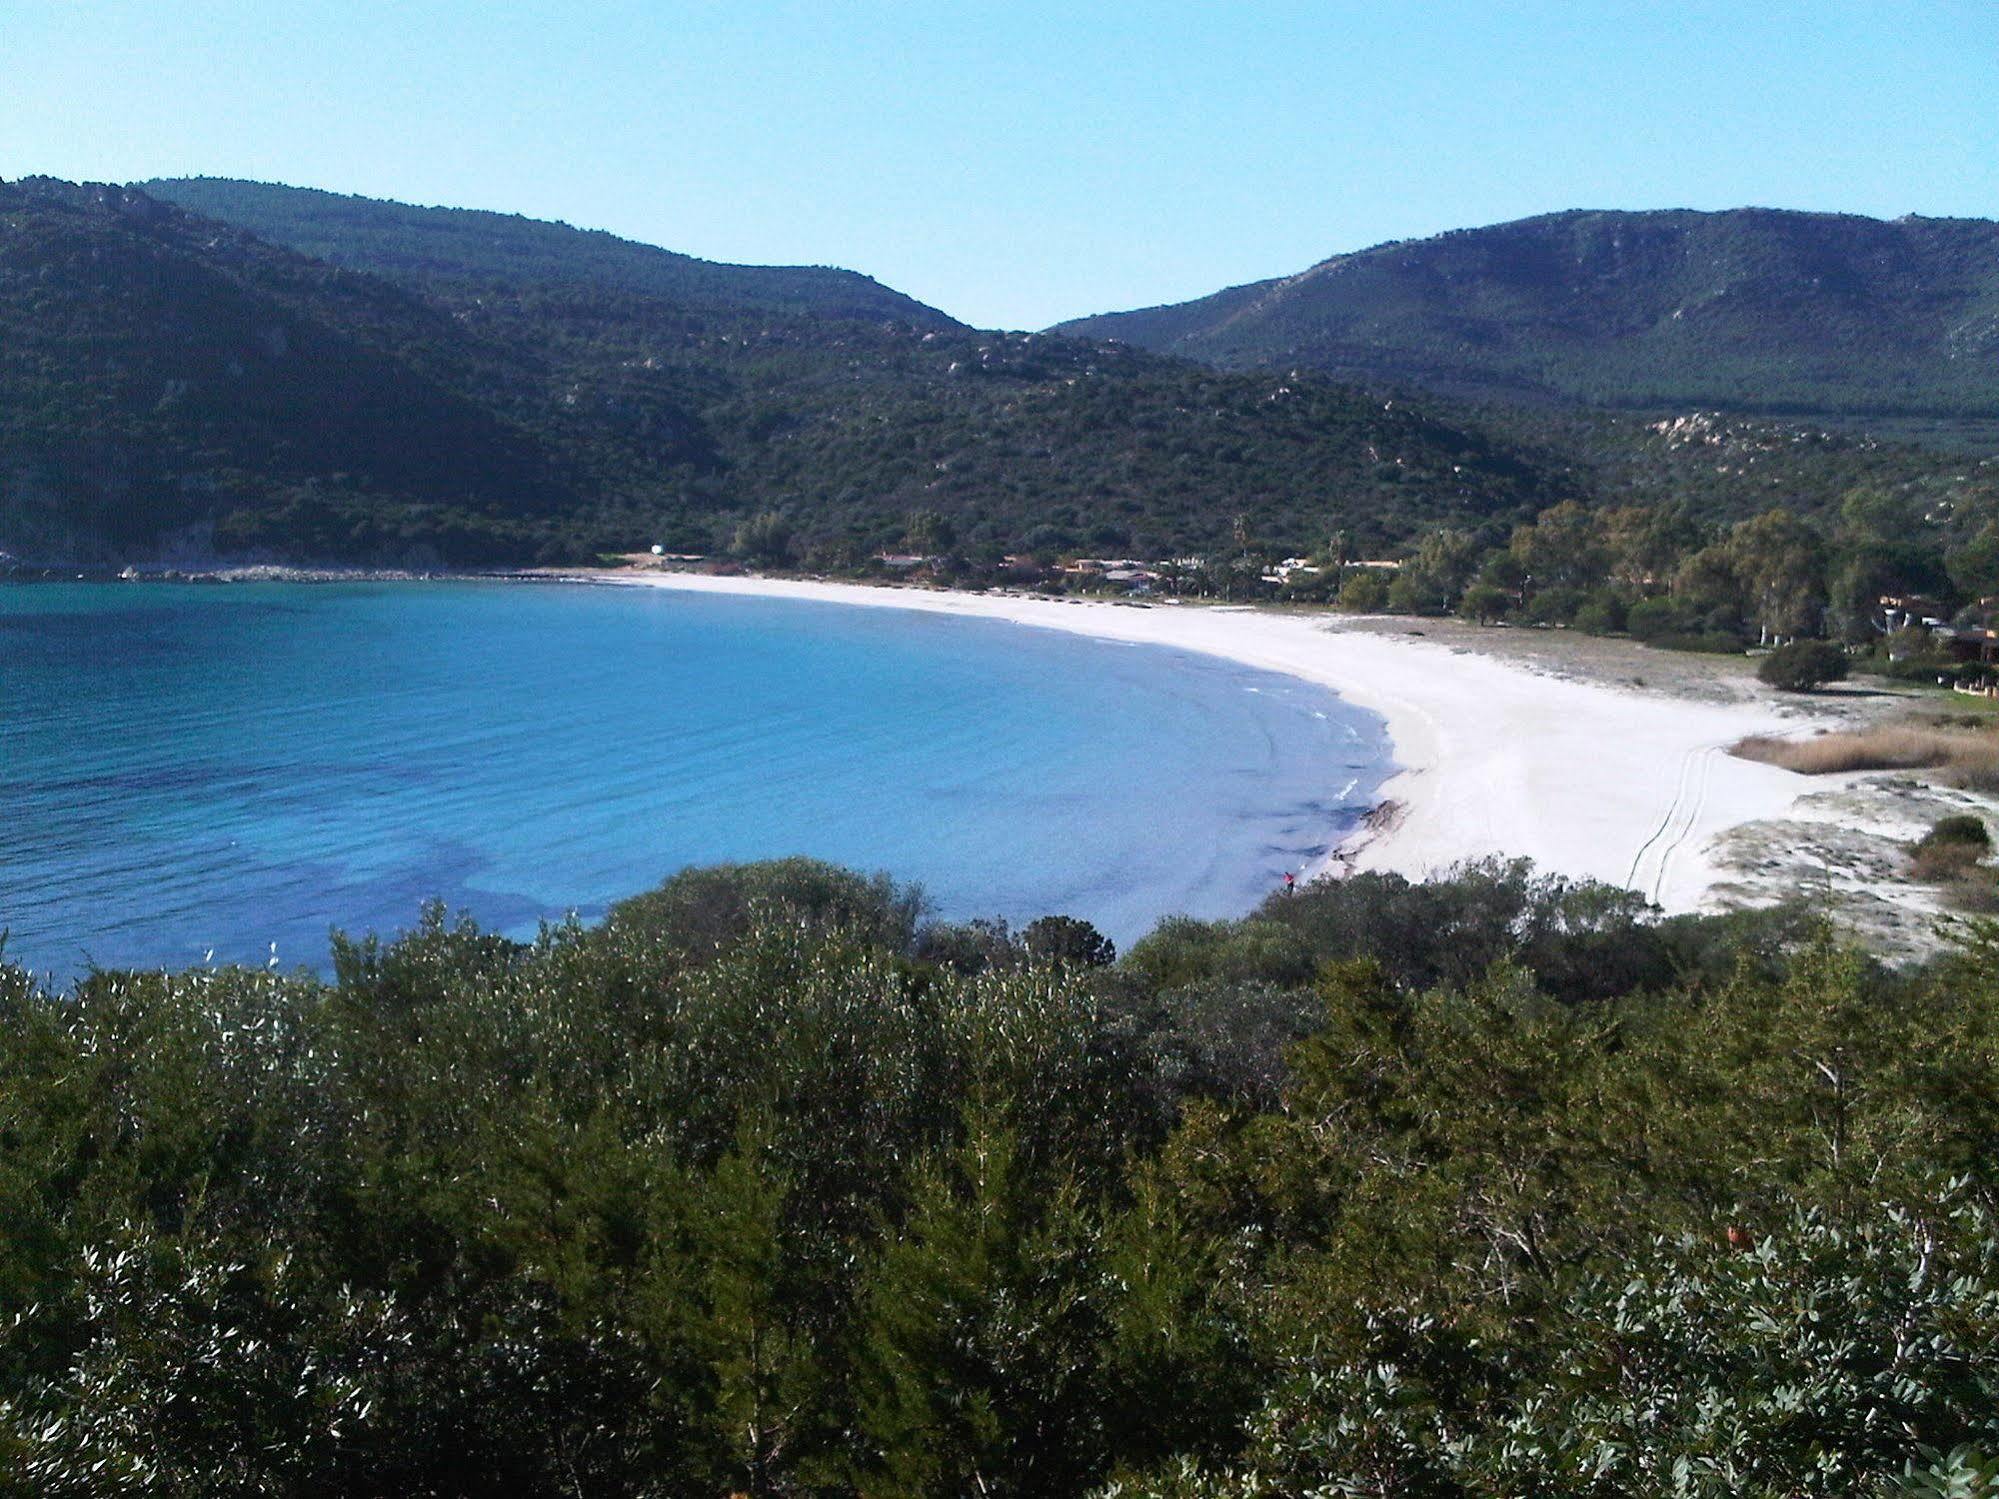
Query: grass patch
{"points": [[1969, 759]]}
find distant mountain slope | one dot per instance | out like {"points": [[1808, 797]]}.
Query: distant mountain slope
{"points": [[168, 381], [405, 242], [1751, 309], [157, 368]]}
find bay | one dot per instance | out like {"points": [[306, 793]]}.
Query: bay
{"points": [[194, 773]]}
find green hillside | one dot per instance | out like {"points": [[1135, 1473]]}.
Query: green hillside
{"points": [[157, 370], [169, 381], [1751, 310], [406, 242]]}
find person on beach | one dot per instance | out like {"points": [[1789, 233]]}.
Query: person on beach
{"points": [[1290, 884]]}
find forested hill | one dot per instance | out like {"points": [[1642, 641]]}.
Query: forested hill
{"points": [[1751, 310], [158, 369], [169, 383], [407, 242]]}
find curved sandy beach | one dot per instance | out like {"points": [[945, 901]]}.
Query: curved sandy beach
{"points": [[1586, 780]]}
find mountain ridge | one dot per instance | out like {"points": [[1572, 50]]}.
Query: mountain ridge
{"points": [[422, 242], [167, 374], [1774, 310]]}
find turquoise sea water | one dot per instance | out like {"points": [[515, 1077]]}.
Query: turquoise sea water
{"points": [[191, 770]]}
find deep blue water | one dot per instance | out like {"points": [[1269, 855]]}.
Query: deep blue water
{"points": [[187, 770]]}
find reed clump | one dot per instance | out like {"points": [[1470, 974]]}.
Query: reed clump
{"points": [[1965, 758]]}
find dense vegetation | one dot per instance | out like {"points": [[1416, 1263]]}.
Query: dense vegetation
{"points": [[166, 380], [331, 379], [1495, 1185], [1753, 310], [156, 371], [1880, 574]]}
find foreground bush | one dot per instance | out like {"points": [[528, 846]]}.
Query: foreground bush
{"points": [[1826, 1359], [1498, 1184]]}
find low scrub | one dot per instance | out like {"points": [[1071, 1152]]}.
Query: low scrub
{"points": [[1951, 851], [1493, 1184]]}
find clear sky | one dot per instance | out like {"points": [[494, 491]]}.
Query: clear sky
{"points": [[1019, 163]]}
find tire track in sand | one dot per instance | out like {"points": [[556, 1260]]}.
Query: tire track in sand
{"points": [[1682, 815]]}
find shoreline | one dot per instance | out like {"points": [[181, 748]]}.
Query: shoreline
{"points": [[1499, 747], [1588, 780]]}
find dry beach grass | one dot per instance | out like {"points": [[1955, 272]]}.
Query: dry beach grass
{"points": [[1965, 758]]}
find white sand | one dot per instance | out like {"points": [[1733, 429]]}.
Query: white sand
{"points": [[1585, 780]]}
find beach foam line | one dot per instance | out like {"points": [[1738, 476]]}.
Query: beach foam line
{"points": [[1587, 780]]}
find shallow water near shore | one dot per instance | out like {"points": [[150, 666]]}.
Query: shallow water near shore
{"points": [[194, 773]]}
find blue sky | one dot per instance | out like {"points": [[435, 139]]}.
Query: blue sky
{"points": [[1020, 163]]}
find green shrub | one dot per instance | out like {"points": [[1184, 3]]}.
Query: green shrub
{"points": [[1182, 951], [970, 947], [1068, 940], [1227, 1039], [1583, 939], [1653, 619], [764, 538], [1484, 603], [699, 910], [1603, 613], [1925, 667], [1365, 591], [1553, 606], [1961, 828], [1803, 665]]}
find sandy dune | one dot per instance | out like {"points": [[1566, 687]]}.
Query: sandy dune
{"points": [[1584, 779]]}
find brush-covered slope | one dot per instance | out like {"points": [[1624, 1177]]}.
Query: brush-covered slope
{"points": [[157, 369], [406, 242], [169, 381], [1751, 309]]}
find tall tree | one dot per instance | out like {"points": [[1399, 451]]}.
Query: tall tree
{"points": [[1780, 561]]}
